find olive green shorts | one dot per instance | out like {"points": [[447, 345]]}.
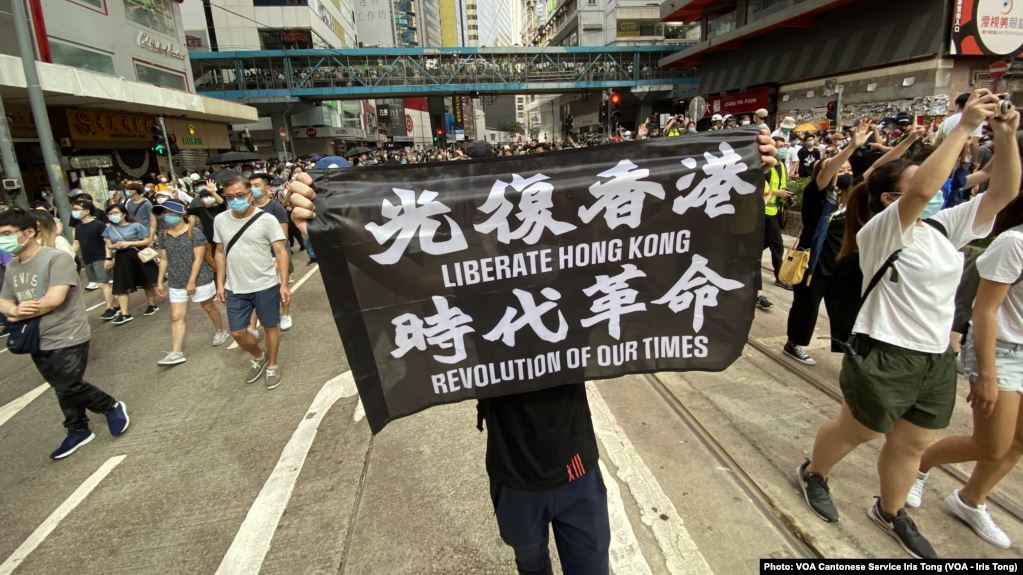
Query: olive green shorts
{"points": [[883, 383]]}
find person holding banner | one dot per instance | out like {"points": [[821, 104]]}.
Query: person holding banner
{"points": [[542, 454], [898, 375]]}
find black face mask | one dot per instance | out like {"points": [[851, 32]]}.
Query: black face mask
{"points": [[844, 182]]}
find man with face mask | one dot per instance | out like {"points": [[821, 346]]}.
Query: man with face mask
{"points": [[42, 286], [262, 194], [206, 206], [785, 128], [808, 156], [138, 206]]}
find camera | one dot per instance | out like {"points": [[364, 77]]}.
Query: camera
{"points": [[1005, 107]]}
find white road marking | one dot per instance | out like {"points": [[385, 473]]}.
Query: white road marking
{"points": [[360, 411], [625, 556], [58, 515], [252, 542], [681, 554], [298, 284], [95, 306], [11, 409]]}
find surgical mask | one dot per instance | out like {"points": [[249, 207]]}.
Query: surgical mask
{"points": [[171, 220], [257, 192], [76, 214], [209, 201], [116, 218], [247, 173], [10, 245], [783, 154], [934, 206], [238, 205], [745, 122]]}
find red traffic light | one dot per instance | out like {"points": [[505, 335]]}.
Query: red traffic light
{"points": [[616, 98], [440, 132], [831, 105]]}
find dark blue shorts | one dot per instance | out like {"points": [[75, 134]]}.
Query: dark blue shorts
{"points": [[266, 303]]}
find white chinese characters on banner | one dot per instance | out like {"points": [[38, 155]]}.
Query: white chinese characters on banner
{"points": [[446, 330], [534, 211], [714, 192], [697, 288], [621, 198], [618, 299], [411, 219], [532, 315]]}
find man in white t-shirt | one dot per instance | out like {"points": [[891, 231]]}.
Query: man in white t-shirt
{"points": [[252, 275], [949, 123]]}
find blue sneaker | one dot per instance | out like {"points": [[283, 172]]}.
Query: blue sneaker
{"points": [[117, 419], [75, 439]]}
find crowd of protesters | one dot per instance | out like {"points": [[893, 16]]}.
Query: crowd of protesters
{"points": [[887, 207]]}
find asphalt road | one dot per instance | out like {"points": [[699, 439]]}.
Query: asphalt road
{"points": [[216, 476]]}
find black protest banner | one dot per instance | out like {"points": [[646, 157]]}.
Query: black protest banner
{"points": [[470, 279]]}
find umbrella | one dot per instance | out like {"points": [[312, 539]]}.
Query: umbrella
{"points": [[314, 157], [808, 127], [332, 161], [232, 158], [358, 151]]}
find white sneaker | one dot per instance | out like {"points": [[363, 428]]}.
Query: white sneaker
{"points": [[91, 286], [915, 497], [979, 519], [285, 322], [172, 358], [220, 337], [255, 333]]}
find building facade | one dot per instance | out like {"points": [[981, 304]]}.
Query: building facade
{"points": [[269, 24], [887, 58]]}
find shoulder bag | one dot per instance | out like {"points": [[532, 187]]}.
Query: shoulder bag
{"points": [[23, 336], [238, 234], [795, 263]]}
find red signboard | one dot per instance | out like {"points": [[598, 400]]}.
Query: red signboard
{"points": [[987, 28], [408, 124], [997, 69], [738, 103], [311, 132]]}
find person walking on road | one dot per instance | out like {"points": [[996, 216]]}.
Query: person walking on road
{"points": [[89, 243], [993, 360], [251, 277], [124, 240], [41, 284], [188, 277], [898, 375], [264, 200]]}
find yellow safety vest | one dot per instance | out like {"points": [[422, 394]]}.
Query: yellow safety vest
{"points": [[777, 180]]}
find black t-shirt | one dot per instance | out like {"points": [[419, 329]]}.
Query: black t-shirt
{"points": [[539, 440], [813, 207], [807, 158], [90, 238], [205, 214]]}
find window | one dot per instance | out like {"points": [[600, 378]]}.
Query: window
{"points": [[762, 8], [70, 55], [630, 28], [157, 15], [285, 38], [721, 23], [158, 77], [96, 5]]}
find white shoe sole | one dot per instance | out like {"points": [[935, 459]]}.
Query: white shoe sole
{"points": [[127, 420], [954, 507], [810, 361], [87, 441], [170, 363], [884, 527], [276, 385], [255, 376]]}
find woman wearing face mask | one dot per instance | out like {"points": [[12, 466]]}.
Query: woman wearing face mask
{"points": [[124, 239], [808, 156], [898, 375], [188, 277], [820, 200]]}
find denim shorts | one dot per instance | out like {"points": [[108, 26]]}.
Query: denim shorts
{"points": [[1008, 363], [266, 304]]}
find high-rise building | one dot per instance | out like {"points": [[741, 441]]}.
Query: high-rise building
{"points": [[429, 23], [459, 23], [269, 25], [387, 23], [496, 22]]}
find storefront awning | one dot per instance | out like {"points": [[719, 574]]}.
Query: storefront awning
{"points": [[72, 87]]}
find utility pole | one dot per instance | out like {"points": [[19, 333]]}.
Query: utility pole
{"points": [[166, 142], [12, 170], [35, 98]]}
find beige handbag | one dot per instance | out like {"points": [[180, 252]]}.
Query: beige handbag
{"points": [[795, 263], [148, 254]]}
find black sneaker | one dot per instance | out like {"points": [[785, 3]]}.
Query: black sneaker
{"points": [[109, 314], [783, 285], [764, 303], [816, 493], [902, 528], [311, 261], [151, 310], [121, 319], [799, 354]]}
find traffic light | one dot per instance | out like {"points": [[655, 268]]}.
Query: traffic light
{"points": [[832, 114], [616, 99], [159, 140], [438, 136], [173, 143]]}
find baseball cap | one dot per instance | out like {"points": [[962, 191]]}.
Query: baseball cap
{"points": [[715, 118], [172, 206]]}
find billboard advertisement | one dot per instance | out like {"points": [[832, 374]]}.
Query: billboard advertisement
{"points": [[987, 28]]}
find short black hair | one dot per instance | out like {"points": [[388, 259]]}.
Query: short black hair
{"points": [[239, 179], [85, 203], [962, 99], [18, 218], [261, 176]]}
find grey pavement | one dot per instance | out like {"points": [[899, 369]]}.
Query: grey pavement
{"points": [[201, 461]]}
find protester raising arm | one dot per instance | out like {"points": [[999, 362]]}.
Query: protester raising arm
{"points": [[831, 166], [928, 179], [1005, 168], [898, 151]]}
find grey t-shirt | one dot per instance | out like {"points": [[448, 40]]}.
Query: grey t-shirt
{"points": [[68, 324], [250, 265]]}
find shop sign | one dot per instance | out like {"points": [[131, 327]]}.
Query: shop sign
{"points": [[166, 48], [192, 138], [89, 125], [740, 102], [986, 28], [85, 162]]}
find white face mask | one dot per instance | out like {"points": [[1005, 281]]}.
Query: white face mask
{"points": [[209, 201]]}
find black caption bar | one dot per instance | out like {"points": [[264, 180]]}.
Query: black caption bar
{"points": [[829, 566]]}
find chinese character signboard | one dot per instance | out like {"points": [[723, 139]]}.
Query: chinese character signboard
{"points": [[987, 28], [471, 279], [89, 125]]}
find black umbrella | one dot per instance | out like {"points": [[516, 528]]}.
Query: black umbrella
{"points": [[233, 158], [358, 151]]}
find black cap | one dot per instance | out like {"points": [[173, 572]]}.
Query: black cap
{"points": [[479, 149]]}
